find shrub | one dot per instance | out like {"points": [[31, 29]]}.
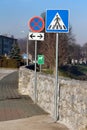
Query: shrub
{"points": [[8, 63]]}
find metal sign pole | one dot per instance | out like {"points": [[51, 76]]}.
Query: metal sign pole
{"points": [[40, 68], [27, 49], [57, 22], [56, 82], [36, 24], [35, 72]]}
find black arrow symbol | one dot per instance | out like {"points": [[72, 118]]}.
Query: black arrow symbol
{"points": [[32, 35], [40, 36]]}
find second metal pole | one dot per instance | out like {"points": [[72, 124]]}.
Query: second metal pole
{"points": [[27, 50], [35, 94]]}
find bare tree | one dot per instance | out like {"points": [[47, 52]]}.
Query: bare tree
{"points": [[22, 44], [48, 47], [84, 51], [63, 49]]}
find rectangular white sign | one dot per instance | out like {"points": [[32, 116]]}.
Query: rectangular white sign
{"points": [[36, 36]]}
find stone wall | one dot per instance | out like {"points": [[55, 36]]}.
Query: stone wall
{"points": [[45, 88], [72, 105]]}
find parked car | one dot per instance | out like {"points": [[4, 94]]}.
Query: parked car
{"points": [[32, 67]]}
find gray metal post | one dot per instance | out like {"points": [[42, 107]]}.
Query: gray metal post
{"points": [[35, 73], [56, 82], [40, 68], [27, 51]]}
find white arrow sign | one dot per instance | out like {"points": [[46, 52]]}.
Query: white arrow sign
{"points": [[36, 36]]}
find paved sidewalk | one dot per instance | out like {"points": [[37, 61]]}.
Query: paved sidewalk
{"points": [[14, 105], [43, 122], [4, 72], [18, 112]]}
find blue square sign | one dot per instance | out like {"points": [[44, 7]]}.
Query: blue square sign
{"points": [[57, 21]]}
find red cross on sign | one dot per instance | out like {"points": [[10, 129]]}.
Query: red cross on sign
{"points": [[36, 24]]}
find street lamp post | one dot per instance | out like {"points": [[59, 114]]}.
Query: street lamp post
{"points": [[26, 49]]}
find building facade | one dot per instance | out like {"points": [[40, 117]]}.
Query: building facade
{"points": [[6, 44]]}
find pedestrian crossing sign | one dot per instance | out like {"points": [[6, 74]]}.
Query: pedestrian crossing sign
{"points": [[57, 21]]}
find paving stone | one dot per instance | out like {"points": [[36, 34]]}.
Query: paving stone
{"points": [[14, 105]]}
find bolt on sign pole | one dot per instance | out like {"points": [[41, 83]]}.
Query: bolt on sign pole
{"points": [[35, 87]]}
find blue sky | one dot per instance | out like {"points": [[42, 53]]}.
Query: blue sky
{"points": [[15, 14]]}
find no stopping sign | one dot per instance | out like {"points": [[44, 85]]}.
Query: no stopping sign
{"points": [[36, 24]]}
